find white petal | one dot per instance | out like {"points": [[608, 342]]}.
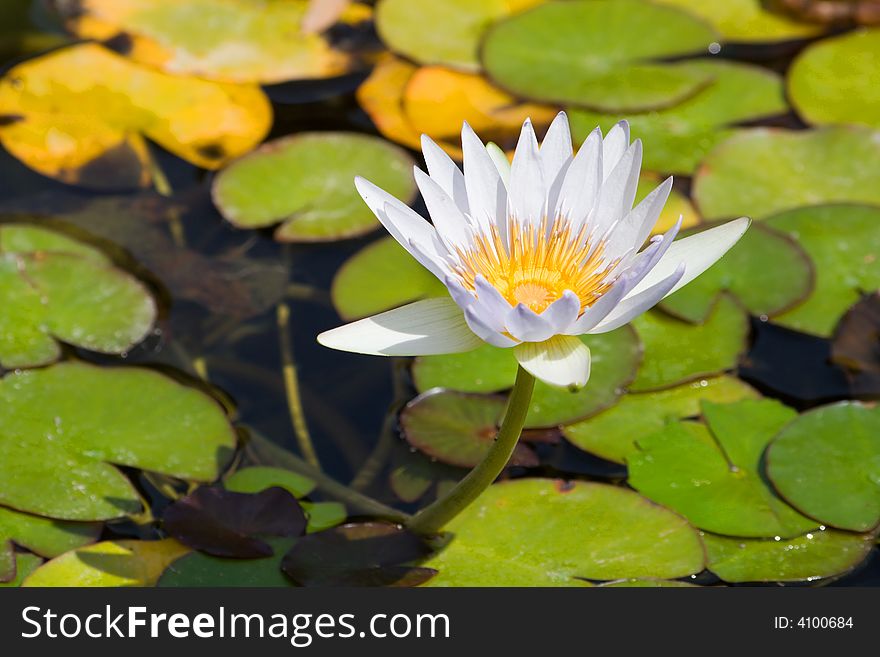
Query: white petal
{"points": [[614, 146], [582, 180], [600, 309], [634, 305], [499, 157], [445, 172], [479, 326], [430, 326], [459, 293], [562, 312], [556, 148], [698, 252], [527, 326], [562, 360], [636, 226], [450, 223], [487, 195], [619, 189], [527, 194], [491, 306]]}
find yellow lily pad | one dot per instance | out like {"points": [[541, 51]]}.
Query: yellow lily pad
{"points": [[81, 114], [228, 40]]}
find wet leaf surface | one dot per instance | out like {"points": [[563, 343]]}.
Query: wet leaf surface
{"points": [[227, 524]]}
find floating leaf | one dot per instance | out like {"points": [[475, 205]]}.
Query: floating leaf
{"points": [[613, 433], [361, 286], [323, 515], [763, 171], [832, 80], [368, 554], [838, 13], [7, 561], [676, 352], [745, 21], [64, 425], [304, 182], [844, 244], [856, 343], [539, 532], [457, 428], [485, 369], [448, 32], [245, 42], [413, 475], [827, 464], [381, 96], [57, 289], [679, 137], [80, 114], [711, 475], [767, 271], [258, 478], [111, 563], [810, 557], [25, 564], [45, 536], [646, 584], [227, 524], [203, 570], [601, 54]]}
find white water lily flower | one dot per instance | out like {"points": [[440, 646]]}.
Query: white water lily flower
{"points": [[533, 254]]}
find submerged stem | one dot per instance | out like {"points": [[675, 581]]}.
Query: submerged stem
{"points": [[291, 386], [432, 518]]}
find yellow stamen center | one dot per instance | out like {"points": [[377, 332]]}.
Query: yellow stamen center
{"points": [[536, 264]]}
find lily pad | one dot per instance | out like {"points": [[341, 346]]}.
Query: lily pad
{"points": [[304, 182], [647, 584], [245, 42], [763, 171], [601, 54], [111, 563], [57, 289], [813, 556], [827, 464], [613, 434], [540, 532], [844, 244], [457, 428], [381, 97], [361, 286], [323, 515], [767, 271], [7, 561], [615, 357], [257, 478], [855, 344], [676, 352], [711, 474], [448, 33], [832, 81], [745, 21], [25, 564], [679, 137], [197, 569], [45, 536], [80, 114], [65, 425], [413, 475]]}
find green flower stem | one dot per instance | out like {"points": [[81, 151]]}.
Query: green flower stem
{"points": [[434, 517]]}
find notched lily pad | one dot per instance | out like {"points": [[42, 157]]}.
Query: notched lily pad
{"points": [[366, 554], [856, 343], [601, 54], [711, 474], [44, 536], [540, 532], [56, 289], [304, 183], [613, 433], [66, 427], [827, 464], [227, 524], [198, 569], [257, 478], [84, 112], [25, 564]]}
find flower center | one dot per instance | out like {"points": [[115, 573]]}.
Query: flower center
{"points": [[535, 264]]}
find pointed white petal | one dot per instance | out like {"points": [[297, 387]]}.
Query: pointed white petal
{"points": [[525, 325], [459, 293], [556, 148], [479, 326], [450, 223], [634, 305], [636, 226], [499, 157], [445, 172], [582, 180], [491, 306], [487, 195], [431, 326], [614, 146], [600, 309], [563, 360], [562, 312], [527, 194], [698, 252], [619, 189]]}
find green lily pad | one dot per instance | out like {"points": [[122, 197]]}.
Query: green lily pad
{"points": [[679, 137], [600, 54], [45, 536], [814, 556], [57, 289], [64, 425], [539, 532], [827, 464], [431, 32], [711, 474], [676, 352], [25, 564], [833, 80], [304, 183], [745, 21], [763, 171], [197, 569], [7, 561], [647, 584], [110, 563], [379, 277], [767, 271], [257, 478], [413, 475], [613, 433], [485, 369], [844, 244], [323, 515]]}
